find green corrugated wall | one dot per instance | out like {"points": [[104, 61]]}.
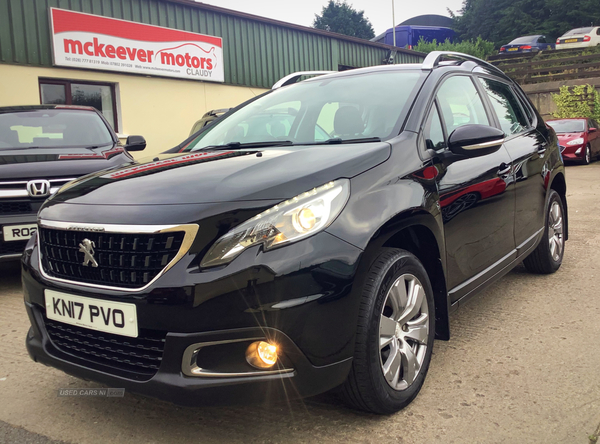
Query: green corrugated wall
{"points": [[256, 53]]}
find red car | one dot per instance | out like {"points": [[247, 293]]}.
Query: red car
{"points": [[579, 137]]}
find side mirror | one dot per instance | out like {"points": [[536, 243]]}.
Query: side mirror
{"points": [[475, 140], [593, 130], [135, 143]]}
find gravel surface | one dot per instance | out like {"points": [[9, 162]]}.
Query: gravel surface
{"points": [[521, 367]]}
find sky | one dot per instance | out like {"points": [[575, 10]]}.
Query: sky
{"points": [[302, 12]]}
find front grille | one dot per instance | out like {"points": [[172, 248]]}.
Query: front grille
{"points": [[128, 260], [12, 247], [140, 357], [15, 208]]}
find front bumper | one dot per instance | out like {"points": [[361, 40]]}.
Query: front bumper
{"points": [[300, 296], [570, 152]]}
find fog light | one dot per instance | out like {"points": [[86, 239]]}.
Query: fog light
{"points": [[261, 354], [578, 151]]}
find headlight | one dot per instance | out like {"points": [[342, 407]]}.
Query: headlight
{"points": [[575, 141], [287, 222]]}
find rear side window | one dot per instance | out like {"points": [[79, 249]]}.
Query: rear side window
{"points": [[460, 103], [505, 104]]}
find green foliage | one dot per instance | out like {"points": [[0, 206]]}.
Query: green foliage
{"points": [[339, 16], [478, 47], [501, 21], [577, 101]]}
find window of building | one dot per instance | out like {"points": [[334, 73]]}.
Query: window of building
{"points": [[73, 92]]}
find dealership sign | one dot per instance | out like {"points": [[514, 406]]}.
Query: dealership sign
{"points": [[91, 41]]}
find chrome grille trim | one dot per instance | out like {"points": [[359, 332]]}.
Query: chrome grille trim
{"points": [[15, 189], [190, 231]]}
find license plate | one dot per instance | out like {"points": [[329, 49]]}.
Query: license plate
{"points": [[96, 314], [513, 49], [570, 41], [18, 232]]}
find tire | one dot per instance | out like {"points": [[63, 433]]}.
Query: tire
{"points": [[387, 293], [587, 157], [548, 255]]}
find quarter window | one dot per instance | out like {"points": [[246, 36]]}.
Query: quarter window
{"points": [[505, 104], [434, 134], [460, 103], [65, 92]]}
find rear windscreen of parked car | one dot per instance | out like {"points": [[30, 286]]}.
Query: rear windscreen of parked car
{"points": [[567, 126], [578, 31], [52, 128], [351, 107], [522, 40]]}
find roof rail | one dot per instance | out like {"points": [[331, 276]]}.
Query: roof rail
{"points": [[294, 77], [434, 58]]}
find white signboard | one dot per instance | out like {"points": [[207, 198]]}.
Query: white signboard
{"points": [[95, 42]]}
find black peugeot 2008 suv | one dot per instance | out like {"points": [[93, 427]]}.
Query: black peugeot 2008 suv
{"points": [[289, 256]]}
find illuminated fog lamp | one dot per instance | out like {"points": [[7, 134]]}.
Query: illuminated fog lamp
{"points": [[261, 354], [578, 151]]}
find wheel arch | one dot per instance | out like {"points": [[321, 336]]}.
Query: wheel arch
{"points": [[421, 234]]}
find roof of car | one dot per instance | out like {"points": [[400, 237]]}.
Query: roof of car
{"points": [[12, 109]]}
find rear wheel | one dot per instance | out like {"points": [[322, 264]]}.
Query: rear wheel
{"points": [[395, 334], [548, 255]]}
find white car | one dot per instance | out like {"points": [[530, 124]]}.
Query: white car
{"points": [[579, 37]]}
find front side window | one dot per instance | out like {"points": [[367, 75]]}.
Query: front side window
{"points": [[460, 103], [49, 128], [66, 92], [505, 104], [367, 106]]}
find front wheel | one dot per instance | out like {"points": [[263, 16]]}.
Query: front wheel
{"points": [[548, 255], [587, 156], [395, 334]]}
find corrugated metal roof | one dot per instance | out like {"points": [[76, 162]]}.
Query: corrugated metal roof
{"points": [[257, 51]]}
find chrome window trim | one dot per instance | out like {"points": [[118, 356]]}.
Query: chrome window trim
{"points": [[189, 367], [190, 231]]}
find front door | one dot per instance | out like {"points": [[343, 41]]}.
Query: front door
{"points": [[476, 194]]}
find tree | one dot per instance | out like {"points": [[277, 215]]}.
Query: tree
{"points": [[339, 16], [501, 21]]}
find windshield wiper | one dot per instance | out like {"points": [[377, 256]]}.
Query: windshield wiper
{"points": [[239, 145], [336, 140]]}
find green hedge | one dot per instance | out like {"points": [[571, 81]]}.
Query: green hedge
{"points": [[478, 48], [577, 101]]}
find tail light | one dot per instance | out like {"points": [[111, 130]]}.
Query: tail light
{"points": [[558, 41], [502, 49], [587, 38], [525, 47]]}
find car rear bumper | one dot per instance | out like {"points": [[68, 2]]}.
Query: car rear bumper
{"points": [[575, 45]]}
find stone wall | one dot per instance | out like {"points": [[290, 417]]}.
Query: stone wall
{"points": [[541, 93]]}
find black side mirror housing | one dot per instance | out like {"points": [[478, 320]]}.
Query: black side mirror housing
{"points": [[135, 143], [475, 140]]}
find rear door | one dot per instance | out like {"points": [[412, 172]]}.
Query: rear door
{"points": [[527, 148], [476, 195]]}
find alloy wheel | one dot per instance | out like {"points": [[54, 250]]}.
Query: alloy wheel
{"points": [[403, 332], [588, 155], [556, 239]]}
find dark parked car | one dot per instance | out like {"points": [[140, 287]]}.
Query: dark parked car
{"points": [[580, 138], [41, 149], [249, 266], [530, 43]]}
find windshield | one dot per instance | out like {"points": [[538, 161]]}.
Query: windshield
{"points": [[52, 128], [367, 106], [527, 39], [578, 31], [567, 126]]}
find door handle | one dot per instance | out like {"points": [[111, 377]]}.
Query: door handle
{"points": [[504, 169], [542, 148]]}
